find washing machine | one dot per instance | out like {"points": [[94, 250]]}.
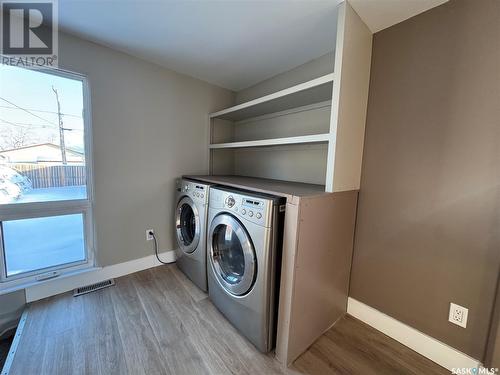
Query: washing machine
{"points": [[190, 227], [244, 243]]}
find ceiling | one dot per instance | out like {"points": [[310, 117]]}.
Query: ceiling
{"points": [[379, 14], [233, 44]]}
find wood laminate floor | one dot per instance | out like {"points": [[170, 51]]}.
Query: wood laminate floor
{"points": [[157, 322], [353, 347]]}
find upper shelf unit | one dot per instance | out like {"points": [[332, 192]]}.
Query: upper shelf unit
{"points": [[310, 92], [305, 139]]}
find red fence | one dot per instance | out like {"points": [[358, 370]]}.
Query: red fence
{"points": [[47, 176]]}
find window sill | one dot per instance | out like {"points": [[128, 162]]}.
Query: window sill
{"points": [[14, 285]]}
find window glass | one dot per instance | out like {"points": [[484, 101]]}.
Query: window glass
{"points": [[42, 142], [45, 205], [39, 243]]}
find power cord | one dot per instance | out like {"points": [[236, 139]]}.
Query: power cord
{"points": [[152, 234]]}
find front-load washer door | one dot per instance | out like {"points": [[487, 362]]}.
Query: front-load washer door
{"points": [[232, 255], [187, 223]]}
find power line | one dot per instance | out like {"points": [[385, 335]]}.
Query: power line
{"points": [[26, 125], [41, 111], [13, 123], [27, 111]]}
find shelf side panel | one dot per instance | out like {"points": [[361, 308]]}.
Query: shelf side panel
{"points": [[349, 101]]}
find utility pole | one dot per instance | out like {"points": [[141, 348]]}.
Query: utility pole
{"points": [[61, 129]]}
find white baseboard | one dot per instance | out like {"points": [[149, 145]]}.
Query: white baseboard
{"points": [[423, 344], [69, 282]]}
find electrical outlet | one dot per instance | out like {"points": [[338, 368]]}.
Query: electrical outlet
{"points": [[149, 234], [458, 315]]}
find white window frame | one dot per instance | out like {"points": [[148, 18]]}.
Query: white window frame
{"points": [[16, 211]]}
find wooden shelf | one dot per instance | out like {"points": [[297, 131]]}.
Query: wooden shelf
{"points": [[315, 138], [314, 91]]}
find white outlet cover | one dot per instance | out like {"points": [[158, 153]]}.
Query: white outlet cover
{"points": [[460, 310]]}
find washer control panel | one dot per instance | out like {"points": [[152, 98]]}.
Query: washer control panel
{"points": [[255, 209]]}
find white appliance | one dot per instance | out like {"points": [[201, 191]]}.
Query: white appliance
{"points": [[190, 227], [244, 258]]}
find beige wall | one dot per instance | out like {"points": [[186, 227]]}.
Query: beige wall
{"points": [[428, 220], [149, 127]]}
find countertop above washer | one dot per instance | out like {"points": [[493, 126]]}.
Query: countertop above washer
{"points": [[293, 191]]}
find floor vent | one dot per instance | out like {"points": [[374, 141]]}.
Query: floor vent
{"points": [[92, 288]]}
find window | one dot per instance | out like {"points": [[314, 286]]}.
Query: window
{"points": [[45, 174]]}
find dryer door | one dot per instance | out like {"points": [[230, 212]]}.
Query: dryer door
{"points": [[232, 254], [187, 224]]}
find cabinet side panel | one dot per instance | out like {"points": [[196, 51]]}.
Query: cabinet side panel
{"points": [[322, 267], [286, 282]]}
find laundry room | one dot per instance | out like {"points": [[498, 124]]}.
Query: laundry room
{"points": [[249, 187]]}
